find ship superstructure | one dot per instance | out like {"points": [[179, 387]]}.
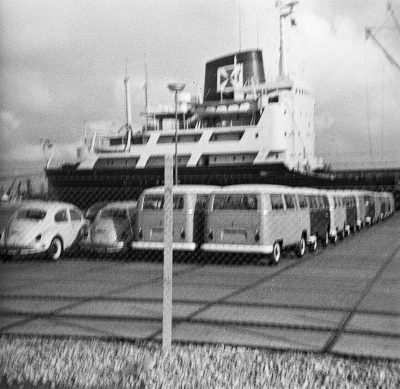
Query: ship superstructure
{"points": [[242, 123]]}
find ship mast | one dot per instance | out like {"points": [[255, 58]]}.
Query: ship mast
{"points": [[146, 96], [128, 110], [284, 11]]}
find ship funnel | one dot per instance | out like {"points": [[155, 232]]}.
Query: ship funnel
{"points": [[225, 76]]}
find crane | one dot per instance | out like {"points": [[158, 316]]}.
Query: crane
{"points": [[369, 34]]}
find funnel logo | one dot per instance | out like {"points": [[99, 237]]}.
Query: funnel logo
{"points": [[229, 77]]}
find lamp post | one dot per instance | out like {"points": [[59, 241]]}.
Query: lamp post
{"points": [[176, 87]]}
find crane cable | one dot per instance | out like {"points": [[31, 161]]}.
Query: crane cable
{"points": [[367, 102]]}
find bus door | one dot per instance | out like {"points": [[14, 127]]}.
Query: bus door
{"points": [[280, 220], [319, 217], [351, 211], [152, 217], [180, 215], [369, 207], [383, 205], [293, 218], [199, 219]]}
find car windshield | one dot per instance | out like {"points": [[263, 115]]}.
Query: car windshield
{"points": [[31, 214], [111, 213], [93, 210]]}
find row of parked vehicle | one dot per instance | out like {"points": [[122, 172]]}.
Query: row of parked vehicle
{"points": [[257, 219]]}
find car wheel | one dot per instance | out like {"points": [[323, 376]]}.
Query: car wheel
{"points": [[325, 239], [56, 249], [301, 247], [276, 254], [334, 239], [313, 246]]}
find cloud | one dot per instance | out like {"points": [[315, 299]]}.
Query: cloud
{"points": [[63, 63], [9, 121]]}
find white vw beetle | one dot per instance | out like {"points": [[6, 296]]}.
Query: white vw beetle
{"points": [[42, 227]]}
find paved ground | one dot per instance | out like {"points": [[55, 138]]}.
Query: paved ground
{"points": [[344, 299]]}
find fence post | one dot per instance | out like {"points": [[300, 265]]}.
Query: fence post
{"points": [[168, 252]]}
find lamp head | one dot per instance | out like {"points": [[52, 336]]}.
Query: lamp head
{"points": [[176, 86]]}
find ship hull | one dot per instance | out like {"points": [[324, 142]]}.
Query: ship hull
{"points": [[85, 187]]}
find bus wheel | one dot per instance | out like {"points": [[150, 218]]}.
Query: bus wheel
{"points": [[334, 239], [276, 254], [301, 247], [325, 239], [313, 246]]}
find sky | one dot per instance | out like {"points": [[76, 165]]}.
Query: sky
{"points": [[63, 63]]}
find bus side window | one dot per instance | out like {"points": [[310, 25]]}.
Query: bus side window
{"points": [[313, 202], [219, 201], [290, 201], [325, 201], [302, 201], [234, 202], [249, 202], [201, 202], [276, 201], [178, 202]]}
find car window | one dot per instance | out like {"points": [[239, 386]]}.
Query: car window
{"points": [[94, 209], [153, 202], [113, 213], [75, 215], [61, 216], [31, 214]]}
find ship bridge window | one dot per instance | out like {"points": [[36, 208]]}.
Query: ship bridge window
{"points": [[159, 161], [113, 163], [117, 141], [227, 136], [139, 140], [226, 159], [273, 99], [181, 138]]}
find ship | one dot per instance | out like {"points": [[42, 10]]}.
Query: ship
{"points": [[243, 129]]}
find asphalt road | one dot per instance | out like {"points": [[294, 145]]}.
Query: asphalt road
{"points": [[344, 299]]}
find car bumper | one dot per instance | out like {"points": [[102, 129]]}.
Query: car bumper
{"points": [[238, 248], [103, 248], [17, 250], [183, 246]]}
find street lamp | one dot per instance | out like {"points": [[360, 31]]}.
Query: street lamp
{"points": [[176, 87]]}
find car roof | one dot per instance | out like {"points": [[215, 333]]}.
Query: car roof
{"points": [[255, 188], [46, 205], [120, 205]]}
